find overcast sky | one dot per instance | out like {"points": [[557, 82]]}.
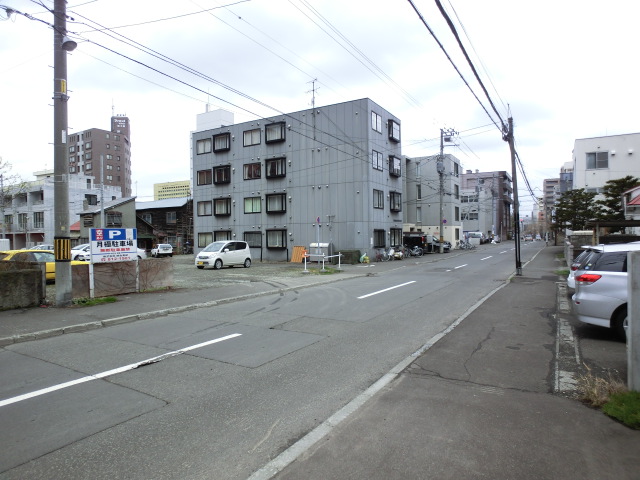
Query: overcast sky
{"points": [[562, 69]]}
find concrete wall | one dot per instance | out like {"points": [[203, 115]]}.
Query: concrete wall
{"points": [[21, 288]]}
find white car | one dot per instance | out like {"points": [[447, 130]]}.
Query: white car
{"points": [[162, 250], [42, 247], [224, 253], [81, 252], [601, 287]]}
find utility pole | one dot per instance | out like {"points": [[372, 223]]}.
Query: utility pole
{"points": [[445, 135], [62, 240], [516, 205]]}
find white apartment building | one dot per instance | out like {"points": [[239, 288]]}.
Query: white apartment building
{"points": [[600, 159], [28, 211]]}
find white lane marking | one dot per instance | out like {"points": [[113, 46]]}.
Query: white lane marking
{"points": [[460, 266], [486, 258], [108, 373], [386, 290]]}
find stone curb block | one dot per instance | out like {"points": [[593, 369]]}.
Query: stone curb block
{"points": [[83, 327], [54, 332]]}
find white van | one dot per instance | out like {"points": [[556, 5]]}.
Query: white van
{"points": [[224, 253], [475, 238]]}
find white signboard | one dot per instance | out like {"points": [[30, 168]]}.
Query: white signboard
{"points": [[114, 245]]}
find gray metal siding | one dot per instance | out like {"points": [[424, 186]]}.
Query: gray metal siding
{"points": [[328, 175]]}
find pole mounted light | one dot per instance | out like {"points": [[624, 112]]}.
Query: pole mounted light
{"points": [[62, 240]]}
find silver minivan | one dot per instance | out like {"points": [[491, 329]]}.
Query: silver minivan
{"points": [[224, 253]]}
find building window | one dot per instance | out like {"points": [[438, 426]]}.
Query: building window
{"points": [[276, 203], [87, 156], [597, 160], [254, 239], [222, 206], [379, 240], [376, 160], [116, 147], [87, 146], [203, 146], [252, 171], [107, 146], [110, 177], [395, 237], [378, 198], [418, 214], [204, 177], [72, 149], [114, 219], [147, 217], [419, 191], [276, 167], [204, 209], [87, 166], [276, 239], [394, 131], [204, 239], [72, 169], [456, 169], [252, 205], [8, 219], [395, 202], [222, 174], [251, 137], [456, 192], [109, 167], [38, 219], [394, 166], [222, 142], [456, 214], [171, 218], [274, 132], [91, 199], [221, 236], [108, 156], [87, 220], [376, 122]]}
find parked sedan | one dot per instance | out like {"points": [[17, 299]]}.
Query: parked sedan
{"points": [[601, 287], [162, 250], [35, 256]]}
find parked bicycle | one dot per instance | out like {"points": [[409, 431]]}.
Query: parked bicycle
{"points": [[464, 245], [414, 251]]}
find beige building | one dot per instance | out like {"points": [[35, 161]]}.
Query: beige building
{"points": [[177, 189]]}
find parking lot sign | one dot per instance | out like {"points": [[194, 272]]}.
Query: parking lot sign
{"points": [[113, 245]]}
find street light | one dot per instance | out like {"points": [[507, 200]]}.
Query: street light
{"points": [[62, 240]]}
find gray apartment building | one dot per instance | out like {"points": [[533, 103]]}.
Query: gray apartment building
{"points": [[329, 175], [104, 154], [498, 202]]}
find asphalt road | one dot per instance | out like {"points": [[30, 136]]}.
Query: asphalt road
{"points": [[218, 392]]}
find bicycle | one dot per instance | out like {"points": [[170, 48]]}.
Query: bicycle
{"points": [[416, 251], [383, 255]]}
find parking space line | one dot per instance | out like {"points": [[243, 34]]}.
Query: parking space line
{"points": [[108, 373]]}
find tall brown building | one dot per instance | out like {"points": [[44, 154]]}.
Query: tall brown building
{"points": [[104, 154]]}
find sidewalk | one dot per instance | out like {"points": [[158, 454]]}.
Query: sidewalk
{"points": [[477, 404]]}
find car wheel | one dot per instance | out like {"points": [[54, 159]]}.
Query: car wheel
{"points": [[618, 322], [218, 264], [247, 263], [200, 267]]}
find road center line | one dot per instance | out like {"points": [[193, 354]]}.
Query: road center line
{"points": [[486, 258], [386, 290], [460, 266], [108, 373]]}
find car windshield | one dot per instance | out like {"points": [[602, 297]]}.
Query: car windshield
{"points": [[214, 247]]}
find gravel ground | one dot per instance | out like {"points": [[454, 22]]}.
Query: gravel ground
{"points": [[186, 275]]}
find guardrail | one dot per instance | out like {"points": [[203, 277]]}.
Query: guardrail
{"points": [[323, 257]]}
